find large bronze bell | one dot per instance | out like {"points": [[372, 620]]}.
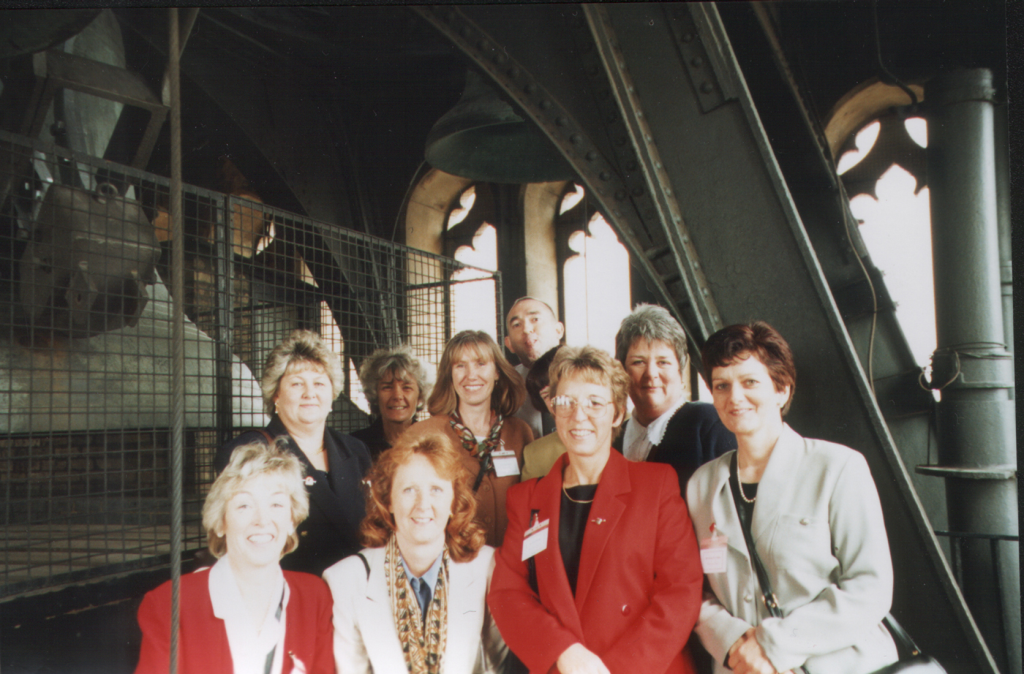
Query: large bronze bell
{"points": [[87, 266], [483, 138]]}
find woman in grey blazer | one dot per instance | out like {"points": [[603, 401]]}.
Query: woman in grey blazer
{"points": [[815, 520], [414, 599]]}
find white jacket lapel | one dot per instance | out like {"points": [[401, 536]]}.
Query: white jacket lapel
{"points": [[463, 634], [722, 508], [777, 483]]}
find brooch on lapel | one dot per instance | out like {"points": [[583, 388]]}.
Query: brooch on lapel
{"points": [[309, 481]]}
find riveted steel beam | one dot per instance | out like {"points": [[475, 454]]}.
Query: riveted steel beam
{"points": [[658, 184], [610, 171], [740, 217]]}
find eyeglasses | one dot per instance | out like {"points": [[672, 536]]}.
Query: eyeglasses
{"points": [[566, 406]]}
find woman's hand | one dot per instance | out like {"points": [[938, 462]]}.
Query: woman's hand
{"points": [[746, 656], [578, 660]]}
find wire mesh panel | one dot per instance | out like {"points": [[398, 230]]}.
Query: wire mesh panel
{"points": [[85, 346]]}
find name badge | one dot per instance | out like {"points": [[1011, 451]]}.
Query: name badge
{"points": [[714, 551], [505, 462], [535, 539]]}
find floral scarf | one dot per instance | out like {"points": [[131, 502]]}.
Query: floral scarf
{"points": [[483, 449], [422, 645]]}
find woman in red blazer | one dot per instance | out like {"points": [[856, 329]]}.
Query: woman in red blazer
{"points": [[599, 571], [245, 614]]}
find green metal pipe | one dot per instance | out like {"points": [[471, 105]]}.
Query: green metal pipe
{"points": [[971, 364]]}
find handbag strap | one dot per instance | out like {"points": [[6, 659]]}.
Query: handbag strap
{"points": [[768, 594], [904, 642]]}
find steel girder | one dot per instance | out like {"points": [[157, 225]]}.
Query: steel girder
{"points": [[648, 104]]}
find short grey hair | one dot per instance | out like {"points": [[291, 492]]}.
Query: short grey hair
{"points": [[653, 324], [401, 362], [301, 350]]}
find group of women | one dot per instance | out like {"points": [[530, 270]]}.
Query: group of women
{"points": [[438, 557]]}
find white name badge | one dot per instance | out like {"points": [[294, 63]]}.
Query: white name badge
{"points": [[535, 539], [713, 554], [505, 462]]}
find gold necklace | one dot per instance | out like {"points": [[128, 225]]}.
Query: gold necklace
{"points": [[571, 498]]}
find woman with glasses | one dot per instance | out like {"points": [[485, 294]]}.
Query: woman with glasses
{"points": [[599, 571]]}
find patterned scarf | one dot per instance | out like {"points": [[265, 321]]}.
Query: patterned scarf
{"points": [[423, 652], [482, 450]]}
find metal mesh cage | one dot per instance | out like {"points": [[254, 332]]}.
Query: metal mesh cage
{"points": [[86, 345]]}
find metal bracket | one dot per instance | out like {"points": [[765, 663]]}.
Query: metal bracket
{"points": [[995, 472], [57, 70], [695, 58]]}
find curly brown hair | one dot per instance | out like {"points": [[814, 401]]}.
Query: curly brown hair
{"points": [[758, 339], [462, 534], [509, 391]]}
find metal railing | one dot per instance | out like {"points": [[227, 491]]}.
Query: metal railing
{"points": [[85, 346]]}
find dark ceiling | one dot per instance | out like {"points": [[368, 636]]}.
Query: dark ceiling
{"points": [[306, 98]]}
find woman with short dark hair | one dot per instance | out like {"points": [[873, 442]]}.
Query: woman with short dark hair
{"points": [[301, 379], [541, 454], [811, 510]]}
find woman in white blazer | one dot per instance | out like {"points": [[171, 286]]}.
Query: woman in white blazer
{"points": [[415, 599], [816, 522]]}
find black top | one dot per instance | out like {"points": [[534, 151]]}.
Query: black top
{"points": [[750, 491], [694, 436], [336, 505], [373, 437], [572, 523]]}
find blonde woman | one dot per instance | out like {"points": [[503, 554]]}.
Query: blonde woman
{"points": [[301, 379], [245, 614], [599, 571]]}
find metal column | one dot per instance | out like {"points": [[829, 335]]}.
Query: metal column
{"points": [[971, 364]]}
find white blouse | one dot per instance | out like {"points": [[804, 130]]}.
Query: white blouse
{"points": [[249, 650]]}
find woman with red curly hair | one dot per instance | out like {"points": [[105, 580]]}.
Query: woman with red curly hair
{"points": [[414, 599]]}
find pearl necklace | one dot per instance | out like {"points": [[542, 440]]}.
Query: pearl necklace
{"points": [[742, 495]]}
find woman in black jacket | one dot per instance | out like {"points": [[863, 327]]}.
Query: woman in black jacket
{"points": [[301, 379]]}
